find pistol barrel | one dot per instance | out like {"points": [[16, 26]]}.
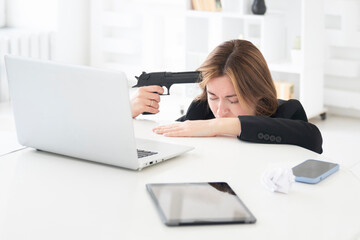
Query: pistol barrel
{"points": [[167, 78]]}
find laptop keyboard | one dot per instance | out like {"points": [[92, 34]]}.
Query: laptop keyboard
{"points": [[143, 153]]}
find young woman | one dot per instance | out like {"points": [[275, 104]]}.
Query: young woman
{"points": [[238, 98]]}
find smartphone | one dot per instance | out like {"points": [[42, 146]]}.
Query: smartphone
{"points": [[313, 171]]}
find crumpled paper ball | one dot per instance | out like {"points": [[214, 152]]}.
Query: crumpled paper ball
{"points": [[278, 179]]}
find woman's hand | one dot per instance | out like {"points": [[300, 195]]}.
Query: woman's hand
{"points": [[201, 128], [146, 99]]}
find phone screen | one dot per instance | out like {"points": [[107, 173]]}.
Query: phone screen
{"points": [[313, 168]]}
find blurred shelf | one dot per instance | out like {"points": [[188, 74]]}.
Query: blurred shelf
{"points": [[342, 98], [285, 67], [209, 14], [342, 67], [336, 37]]}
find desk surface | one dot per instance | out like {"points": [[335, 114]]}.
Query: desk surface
{"points": [[47, 196]]}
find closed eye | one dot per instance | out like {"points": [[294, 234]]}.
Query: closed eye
{"points": [[233, 99], [212, 96]]}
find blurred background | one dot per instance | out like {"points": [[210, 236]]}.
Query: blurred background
{"points": [[312, 47]]}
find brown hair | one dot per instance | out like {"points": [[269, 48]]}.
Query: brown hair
{"points": [[244, 64]]}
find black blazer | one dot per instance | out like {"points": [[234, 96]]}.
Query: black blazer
{"points": [[288, 125]]}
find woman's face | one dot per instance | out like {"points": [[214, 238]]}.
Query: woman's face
{"points": [[223, 101]]}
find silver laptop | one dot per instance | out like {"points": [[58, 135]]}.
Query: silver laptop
{"points": [[80, 112]]}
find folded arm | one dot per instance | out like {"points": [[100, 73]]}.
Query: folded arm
{"points": [[201, 128], [281, 131]]}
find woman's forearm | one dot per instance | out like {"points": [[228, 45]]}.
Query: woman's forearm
{"points": [[226, 126], [201, 128]]}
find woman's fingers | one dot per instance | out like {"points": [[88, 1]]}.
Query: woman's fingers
{"points": [[173, 132], [149, 96], [150, 92], [146, 99], [151, 109], [169, 127], [148, 105], [151, 103], [176, 134], [153, 89]]}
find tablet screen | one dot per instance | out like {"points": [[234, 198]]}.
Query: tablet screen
{"points": [[198, 203]]}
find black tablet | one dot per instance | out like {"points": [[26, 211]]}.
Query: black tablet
{"points": [[198, 204]]}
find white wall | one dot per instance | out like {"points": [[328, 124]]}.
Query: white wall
{"points": [[72, 36], [68, 19], [31, 13], [2, 13]]}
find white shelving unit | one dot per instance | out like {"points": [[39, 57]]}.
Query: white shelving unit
{"points": [[342, 60], [135, 36], [274, 34], [206, 30]]}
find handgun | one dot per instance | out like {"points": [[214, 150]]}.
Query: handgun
{"points": [[166, 79]]}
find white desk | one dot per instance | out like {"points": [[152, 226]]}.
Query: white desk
{"points": [[8, 138], [47, 196]]}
